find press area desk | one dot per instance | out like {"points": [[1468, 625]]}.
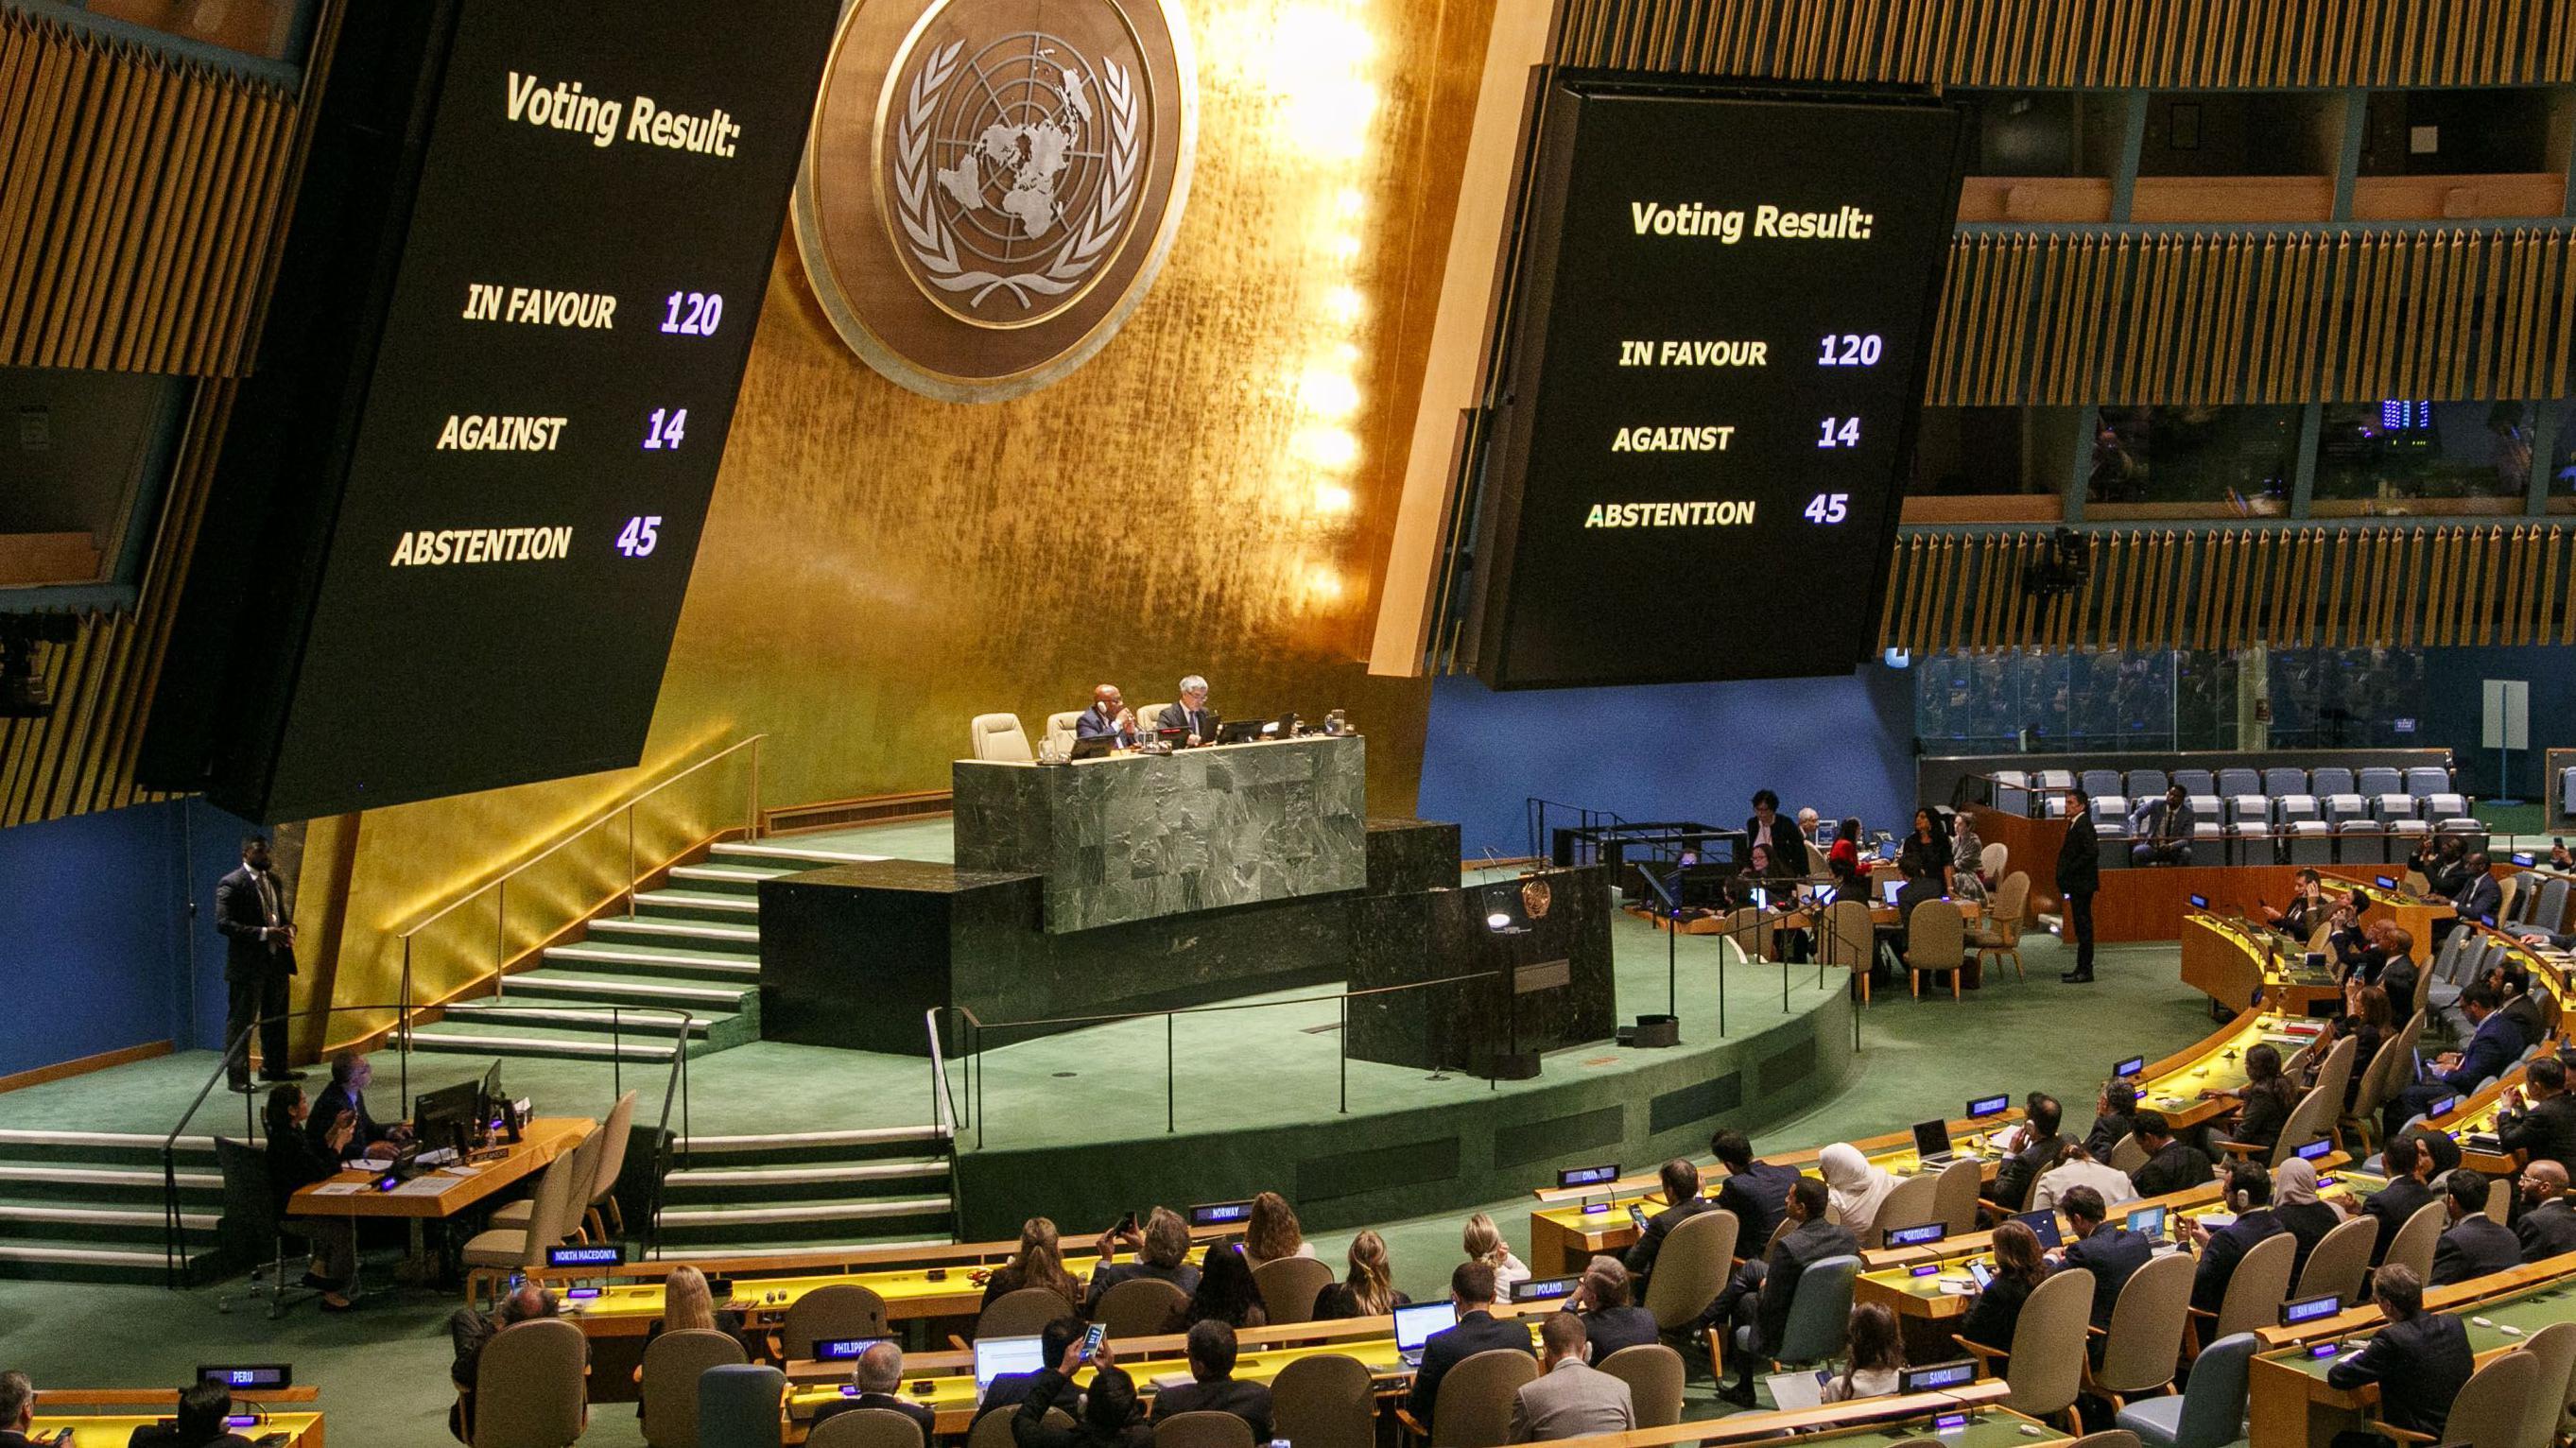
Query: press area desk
{"points": [[925, 1285], [107, 1417], [439, 1195], [2290, 1400], [1577, 1225]]}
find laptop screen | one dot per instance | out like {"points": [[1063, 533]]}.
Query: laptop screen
{"points": [[995, 1356], [1931, 1138], [1894, 888], [2148, 1221], [1415, 1324], [2043, 1225]]}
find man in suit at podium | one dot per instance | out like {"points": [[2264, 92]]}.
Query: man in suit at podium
{"points": [[259, 958], [1107, 718], [1192, 713]]}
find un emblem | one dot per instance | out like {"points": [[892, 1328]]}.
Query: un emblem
{"points": [[991, 185]]}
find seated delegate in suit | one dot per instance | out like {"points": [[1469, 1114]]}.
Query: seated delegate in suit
{"points": [[2367, 1022], [1756, 1191], [2308, 907], [1606, 1301], [2513, 985], [1107, 718], [2475, 1245], [2112, 1254], [1212, 1388], [1569, 1398], [1191, 713], [1777, 832], [1471, 1292], [2548, 1225], [351, 1074], [1108, 1416], [1162, 1248], [877, 1375], [2408, 1167], [2249, 1196], [199, 1423], [2545, 1128], [2477, 897], [2490, 1051], [1681, 1189], [2172, 1164], [2420, 1361], [2162, 829], [1997, 1311], [2040, 1146], [2115, 1115], [1759, 1294]]}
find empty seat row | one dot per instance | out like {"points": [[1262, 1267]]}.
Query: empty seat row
{"points": [[2015, 789]]}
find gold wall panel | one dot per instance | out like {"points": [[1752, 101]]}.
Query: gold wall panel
{"points": [[1209, 494], [2271, 317], [2309, 587], [2181, 44], [139, 197]]}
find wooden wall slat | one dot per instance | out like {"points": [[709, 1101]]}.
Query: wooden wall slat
{"points": [[139, 195]]}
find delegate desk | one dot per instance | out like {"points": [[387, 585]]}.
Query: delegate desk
{"points": [[2235, 962], [437, 1196], [1581, 1224], [2290, 1401], [114, 1430], [1962, 1418]]}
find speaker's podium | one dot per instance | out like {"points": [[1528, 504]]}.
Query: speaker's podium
{"points": [[1483, 978]]}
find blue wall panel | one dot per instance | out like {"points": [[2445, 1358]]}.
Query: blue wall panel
{"points": [[1669, 751], [103, 950]]}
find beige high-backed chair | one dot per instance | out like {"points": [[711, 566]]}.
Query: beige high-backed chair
{"points": [[531, 1388], [1060, 730], [998, 739]]}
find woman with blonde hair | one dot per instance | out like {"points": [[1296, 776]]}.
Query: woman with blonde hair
{"points": [[1484, 1243], [688, 1305], [1038, 1263], [1272, 1232], [1369, 1290]]}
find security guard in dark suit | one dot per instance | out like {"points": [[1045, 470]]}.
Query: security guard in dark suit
{"points": [[259, 958], [2079, 874]]}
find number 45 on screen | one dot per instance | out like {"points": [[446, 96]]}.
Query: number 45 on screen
{"points": [[1828, 508], [639, 535]]}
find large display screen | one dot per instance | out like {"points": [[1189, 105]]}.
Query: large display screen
{"points": [[488, 560], [1716, 343]]}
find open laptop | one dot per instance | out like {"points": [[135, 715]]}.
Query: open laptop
{"points": [[995, 1356], [1932, 1144], [2043, 1225], [2149, 1222], [1414, 1326], [1894, 888]]}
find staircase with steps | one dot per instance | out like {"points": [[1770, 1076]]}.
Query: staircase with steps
{"points": [[741, 1195], [692, 944], [88, 1206]]}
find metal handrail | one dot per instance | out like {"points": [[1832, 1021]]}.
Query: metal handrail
{"points": [[975, 1027], [943, 1118], [499, 887], [174, 1229]]}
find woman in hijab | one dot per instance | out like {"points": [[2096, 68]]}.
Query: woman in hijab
{"points": [[2296, 1204], [1856, 1187]]}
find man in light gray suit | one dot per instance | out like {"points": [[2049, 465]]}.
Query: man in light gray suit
{"points": [[1569, 1398]]}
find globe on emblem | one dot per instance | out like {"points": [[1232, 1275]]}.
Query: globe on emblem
{"points": [[1017, 148]]}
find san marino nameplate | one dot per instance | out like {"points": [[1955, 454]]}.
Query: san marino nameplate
{"points": [[1140, 838]]}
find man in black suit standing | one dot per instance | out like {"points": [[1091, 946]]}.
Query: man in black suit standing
{"points": [[1212, 1388], [2079, 874], [2475, 1245], [1471, 1291], [259, 957]]}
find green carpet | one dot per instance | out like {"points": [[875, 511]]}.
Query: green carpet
{"points": [[382, 1372]]}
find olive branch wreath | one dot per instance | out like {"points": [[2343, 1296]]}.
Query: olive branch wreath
{"points": [[936, 249]]}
